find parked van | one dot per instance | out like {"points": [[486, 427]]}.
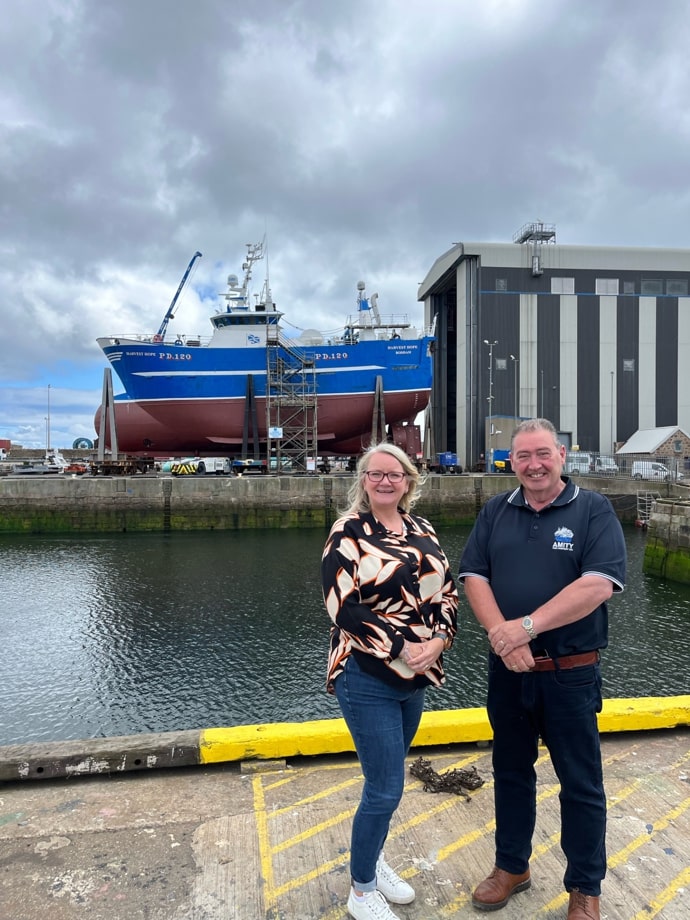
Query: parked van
{"points": [[650, 469], [606, 466], [577, 462]]}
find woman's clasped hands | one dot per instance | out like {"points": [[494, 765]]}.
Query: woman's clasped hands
{"points": [[419, 656]]}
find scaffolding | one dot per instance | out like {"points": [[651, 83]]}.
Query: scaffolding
{"points": [[291, 405]]}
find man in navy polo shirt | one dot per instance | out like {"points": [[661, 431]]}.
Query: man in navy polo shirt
{"points": [[539, 566]]}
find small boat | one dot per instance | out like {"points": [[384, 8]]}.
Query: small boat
{"points": [[195, 394]]}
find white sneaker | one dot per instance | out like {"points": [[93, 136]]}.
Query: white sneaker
{"points": [[372, 906], [391, 886]]}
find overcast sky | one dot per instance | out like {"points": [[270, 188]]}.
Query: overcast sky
{"points": [[362, 137]]}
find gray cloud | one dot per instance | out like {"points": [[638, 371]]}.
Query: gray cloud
{"points": [[363, 138]]}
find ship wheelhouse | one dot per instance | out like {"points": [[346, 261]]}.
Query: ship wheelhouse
{"points": [[223, 320]]}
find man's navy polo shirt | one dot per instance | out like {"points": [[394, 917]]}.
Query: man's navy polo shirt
{"points": [[529, 556]]}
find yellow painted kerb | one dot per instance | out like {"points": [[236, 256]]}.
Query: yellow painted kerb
{"points": [[275, 740]]}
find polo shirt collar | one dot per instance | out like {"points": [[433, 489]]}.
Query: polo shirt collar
{"points": [[564, 497]]}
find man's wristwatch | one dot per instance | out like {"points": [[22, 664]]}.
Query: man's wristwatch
{"points": [[442, 634], [528, 626]]}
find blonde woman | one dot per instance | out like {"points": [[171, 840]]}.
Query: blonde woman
{"points": [[392, 600]]}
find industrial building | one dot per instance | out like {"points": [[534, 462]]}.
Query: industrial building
{"points": [[597, 339]]}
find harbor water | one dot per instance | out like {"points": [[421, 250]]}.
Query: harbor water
{"points": [[121, 634]]}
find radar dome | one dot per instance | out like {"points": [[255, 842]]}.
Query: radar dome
{"points": [[311, 337]]}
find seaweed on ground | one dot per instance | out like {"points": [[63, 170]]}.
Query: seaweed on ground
{"points": [[456, 781]]}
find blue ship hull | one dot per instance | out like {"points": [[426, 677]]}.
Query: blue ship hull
{"points": [[190, 394]]}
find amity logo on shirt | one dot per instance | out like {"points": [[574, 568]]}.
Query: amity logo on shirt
{"points": [[563, 539]]}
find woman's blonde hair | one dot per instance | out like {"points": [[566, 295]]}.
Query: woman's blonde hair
{"points": [[357, 496]]}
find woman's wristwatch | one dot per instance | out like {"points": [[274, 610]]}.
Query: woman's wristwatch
{"points": [[443, 634]]}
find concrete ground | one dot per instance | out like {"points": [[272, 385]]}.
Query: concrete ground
{"points": [[255, 843]]}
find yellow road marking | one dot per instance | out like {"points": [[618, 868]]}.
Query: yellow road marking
{"points": [[324, 794], [267, 851], [665, 897], [313, 831], [623, 854], [659, 825], [264, 844]]}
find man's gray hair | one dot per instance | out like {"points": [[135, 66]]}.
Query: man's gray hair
{"points": [[535, 424]]}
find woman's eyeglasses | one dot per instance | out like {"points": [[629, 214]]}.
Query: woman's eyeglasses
{"points": [[377, 476]]}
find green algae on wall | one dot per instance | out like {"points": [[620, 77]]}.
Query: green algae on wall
{"points": [[667, 552], [138, 504]]}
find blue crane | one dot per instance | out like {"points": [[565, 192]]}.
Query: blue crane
{"points": [[171, 309]]}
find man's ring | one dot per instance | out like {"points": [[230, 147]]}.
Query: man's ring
{"points": [[515, 667], [501, 643]]}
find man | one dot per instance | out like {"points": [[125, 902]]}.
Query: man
{"points": [[539, 566]]}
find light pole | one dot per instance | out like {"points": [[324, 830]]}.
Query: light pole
{"points": [[541, 414], [613, 446], [48, 424], [491, 398], [516, 361]]}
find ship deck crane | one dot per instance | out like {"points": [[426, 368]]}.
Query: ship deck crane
{"points": [[171, 309]]}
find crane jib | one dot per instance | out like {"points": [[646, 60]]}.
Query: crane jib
{"points": [[171, 309]]}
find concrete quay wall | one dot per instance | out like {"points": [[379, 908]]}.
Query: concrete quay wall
{"points": [[667, 551], [281, 740], [159, 503]]}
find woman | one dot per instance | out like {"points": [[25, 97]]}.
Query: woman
{"points": [[391, 596]]}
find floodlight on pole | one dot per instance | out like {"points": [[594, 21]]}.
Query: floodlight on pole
{"points": [[491, 399]]}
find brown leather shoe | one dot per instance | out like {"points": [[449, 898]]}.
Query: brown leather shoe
{"points": [[496, 890], [583, 906]]}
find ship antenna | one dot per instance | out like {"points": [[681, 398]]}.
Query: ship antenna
{"points": [[268, 297]]}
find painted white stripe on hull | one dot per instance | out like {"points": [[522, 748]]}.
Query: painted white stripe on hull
{"points": [[243, 373]]}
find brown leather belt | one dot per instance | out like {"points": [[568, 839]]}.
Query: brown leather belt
{"points": [[566, 662]]}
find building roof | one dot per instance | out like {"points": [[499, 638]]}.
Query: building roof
{"points": [[555, 257], [647, 440]]}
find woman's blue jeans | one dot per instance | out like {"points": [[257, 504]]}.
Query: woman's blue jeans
{"points": [[382, 721]]}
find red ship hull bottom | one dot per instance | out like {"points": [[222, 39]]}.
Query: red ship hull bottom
{"points": [[174, 427]]}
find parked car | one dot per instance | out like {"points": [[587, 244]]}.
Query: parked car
{"points": [[605, 466], [577, 462], [651, 469]]}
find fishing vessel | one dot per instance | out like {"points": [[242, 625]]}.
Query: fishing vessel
{"points": [[249, 379]]}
